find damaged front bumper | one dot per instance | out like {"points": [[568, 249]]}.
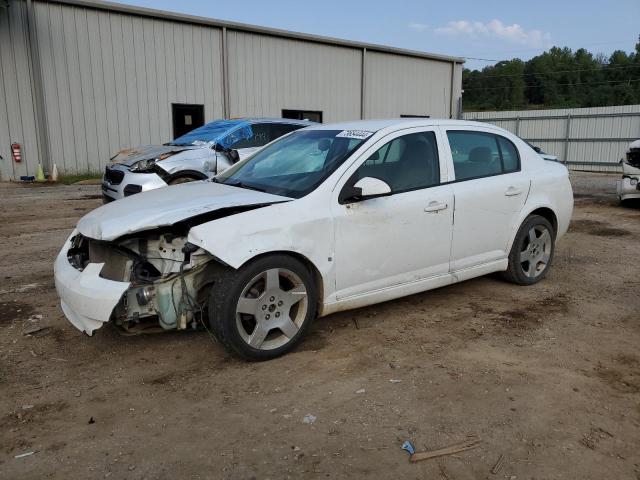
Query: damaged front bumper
{"points": [[628, 187], [140, 284], [87, 299], [119, 182]]}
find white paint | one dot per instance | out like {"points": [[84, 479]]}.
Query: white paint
{"points": [[87, 299]]}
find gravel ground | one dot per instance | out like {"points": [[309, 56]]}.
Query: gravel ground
{"points": [[548, 375]]}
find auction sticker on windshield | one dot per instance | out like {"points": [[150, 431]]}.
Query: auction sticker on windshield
{"points": [[359, 134]]}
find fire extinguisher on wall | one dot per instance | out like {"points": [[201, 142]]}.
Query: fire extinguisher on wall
{"points": [[16, 152]]}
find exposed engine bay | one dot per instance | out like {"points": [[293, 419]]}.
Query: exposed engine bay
{"points": [[169, 278]]}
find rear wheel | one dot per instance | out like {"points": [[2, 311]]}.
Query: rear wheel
{"points": [[531, 252], [262, 310]]}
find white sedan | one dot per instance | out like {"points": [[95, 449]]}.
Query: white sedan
{"points": [[324, 219]]}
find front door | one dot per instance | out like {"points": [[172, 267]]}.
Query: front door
{"points": [[186, 117], [400, 238]]}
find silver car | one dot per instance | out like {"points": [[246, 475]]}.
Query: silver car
{"points": [[197, 155]]}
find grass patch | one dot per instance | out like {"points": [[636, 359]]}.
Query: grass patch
{"points": [[71, 179]]}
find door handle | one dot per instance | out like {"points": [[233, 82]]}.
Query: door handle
{"points": [[512, 192], [435, 206]]}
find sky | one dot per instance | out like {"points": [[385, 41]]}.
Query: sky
{"points": [[484, 29]]}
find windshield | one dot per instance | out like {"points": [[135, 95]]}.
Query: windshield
{"points": [[214, 132], [296, 164]]}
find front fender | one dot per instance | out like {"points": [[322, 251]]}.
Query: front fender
{"points": [[295, 226], [193, 160]]}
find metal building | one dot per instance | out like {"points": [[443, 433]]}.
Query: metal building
{"points": [[82, 79]]}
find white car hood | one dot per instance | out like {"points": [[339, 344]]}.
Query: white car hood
{"points": [[166, 206]]}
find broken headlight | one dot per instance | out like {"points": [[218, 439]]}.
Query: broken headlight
{"points": [[144, 165]]}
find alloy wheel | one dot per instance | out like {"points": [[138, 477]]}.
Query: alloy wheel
{"points": [[271, 308], [536, 251]]}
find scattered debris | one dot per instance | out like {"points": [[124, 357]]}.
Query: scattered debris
{"points": [[355, 322], [498, 465], [40, 331], [309, 419], [395, 380], [362, 390], [91, 421], [450, 450], [24, 454], [27, 407], [36, 317], [408, 446]]}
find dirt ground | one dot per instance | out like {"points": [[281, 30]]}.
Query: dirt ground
{"points": [[548, 375]]}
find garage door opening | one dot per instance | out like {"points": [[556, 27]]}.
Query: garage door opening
{"points": [[186, 117]]}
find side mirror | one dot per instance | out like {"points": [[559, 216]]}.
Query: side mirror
{"points": [[537, 149], [233, 155], [365, 188]]}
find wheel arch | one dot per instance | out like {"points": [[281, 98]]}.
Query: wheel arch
{"points": [[547, 213], [544, 210], [315, 272], [186, 173]]}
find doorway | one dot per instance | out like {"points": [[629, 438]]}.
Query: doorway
{"points": [[186, 117]]}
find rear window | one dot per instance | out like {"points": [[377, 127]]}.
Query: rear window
{"points": [[481, 154]]}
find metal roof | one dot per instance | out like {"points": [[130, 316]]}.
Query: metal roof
{"points": [[274, 32]]}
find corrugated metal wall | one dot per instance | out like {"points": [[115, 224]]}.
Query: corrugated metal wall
{"points": [[110, 74], [268, 74], [17, 120], [110, 80], [592, 139], [399, 85]]}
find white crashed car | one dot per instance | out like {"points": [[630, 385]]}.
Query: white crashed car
{"points": [[629, 184], [328, 218], [196, 155]]}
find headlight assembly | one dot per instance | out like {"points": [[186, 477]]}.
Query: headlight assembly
{"points": [[143, 165]]}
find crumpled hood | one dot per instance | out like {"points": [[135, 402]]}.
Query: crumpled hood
{"points": [[130, 156], [166, 206]]}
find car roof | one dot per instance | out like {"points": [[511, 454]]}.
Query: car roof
{"points": [[394, 123], [275, 120]]}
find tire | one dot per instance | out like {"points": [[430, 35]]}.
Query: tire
{"points": [[530, 258], [182, 179], [258, 317]]}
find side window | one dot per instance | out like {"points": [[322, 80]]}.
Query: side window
{"points": [[510, 157], [406, 163], [280, 129], [481, 154], [261, 135]]}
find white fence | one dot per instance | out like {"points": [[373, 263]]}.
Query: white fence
{"points": [[592, 139]]}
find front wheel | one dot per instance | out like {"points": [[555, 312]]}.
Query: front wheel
{"points": [[262, 310], [183, 179], [531, 252]]}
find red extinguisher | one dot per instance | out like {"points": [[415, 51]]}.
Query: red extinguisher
{"points": [[16, 152]]}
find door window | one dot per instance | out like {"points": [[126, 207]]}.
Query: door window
{"points": [[405, 163], [480, 154]]}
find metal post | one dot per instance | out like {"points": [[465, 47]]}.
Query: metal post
{"points": [[518, 125], [226, 111], [363, 84], [42, 135], [451, 99], [566, 138]]}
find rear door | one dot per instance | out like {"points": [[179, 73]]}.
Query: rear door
{"points": [[490, 191]]}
